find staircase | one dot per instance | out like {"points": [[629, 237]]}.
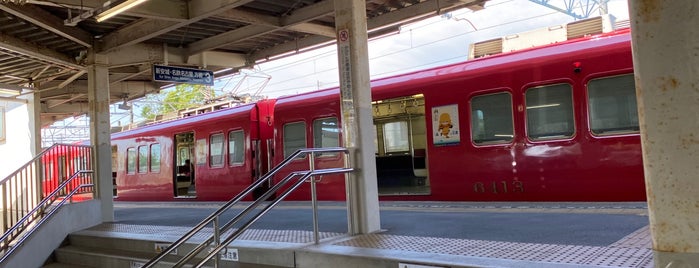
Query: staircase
{"points": [[32, 201], [118, 245], [208, 244]]}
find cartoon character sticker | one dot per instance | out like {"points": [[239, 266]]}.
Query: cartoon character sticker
{"points": [[445, 124]]}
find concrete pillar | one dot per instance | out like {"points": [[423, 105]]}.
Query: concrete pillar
{"points": [[357, 123], [34, 109], [98, 95], [666, 56]]}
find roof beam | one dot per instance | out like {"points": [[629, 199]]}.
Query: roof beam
{"points": [[311, 28], [266, 24], [240, 34], [40, 53], [312, 12], [73, 108], [116, 88], [296, 46], [72, 97], [136, 55], [254, 18], [173, 10], [48, 21], [142, 69], [72, 78], [145, 29]]}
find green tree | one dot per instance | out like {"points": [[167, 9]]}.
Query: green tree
{"points": [[180, 97]]}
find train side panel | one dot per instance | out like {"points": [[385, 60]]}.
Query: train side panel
{"points": [[552, 123], [307, 121], [549, 153], [217, 144], [143, 185], [577, 166]]}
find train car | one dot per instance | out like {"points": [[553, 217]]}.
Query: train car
{"points": [[209, 156], [556, 122], [552, 123], [60, 162]]}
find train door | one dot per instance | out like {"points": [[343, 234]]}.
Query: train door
{"points": [[115, 163], [258, 168], [184, 180], [401, 156]]}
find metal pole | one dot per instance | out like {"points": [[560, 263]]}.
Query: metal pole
{"points": [[314, 197], [5, 217], [348, 197], [217, 240]]}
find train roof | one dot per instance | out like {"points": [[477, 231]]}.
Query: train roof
{"points": [[244, 108], [513, 59]]}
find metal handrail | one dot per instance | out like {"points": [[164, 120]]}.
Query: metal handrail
{"points": [[7, 238], [26, 187], [39, 156], [214, 252], [213, 218]]}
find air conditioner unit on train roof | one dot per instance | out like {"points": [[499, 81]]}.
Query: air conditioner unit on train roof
{"points": [[545, 36]]}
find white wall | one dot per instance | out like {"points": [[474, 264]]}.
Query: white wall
{"points": [[20, 135], [68, 219]]}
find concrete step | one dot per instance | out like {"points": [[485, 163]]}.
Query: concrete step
{"points": [[63, 265], [94, 249], [109, 258]]}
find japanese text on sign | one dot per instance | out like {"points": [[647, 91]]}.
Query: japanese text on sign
{"points": [[182, 75]]}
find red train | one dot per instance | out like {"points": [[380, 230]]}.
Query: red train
{"points": [[552, 123], [62, 161]]}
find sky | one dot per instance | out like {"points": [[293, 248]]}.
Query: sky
{"points": [[439, 40]]}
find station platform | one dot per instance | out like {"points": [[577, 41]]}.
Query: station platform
{"points": [[295, 248]]}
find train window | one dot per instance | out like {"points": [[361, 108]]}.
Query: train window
{"points": [[236, 147], [142, 159], [396, 137], [326, 134], [216, 150], [131, 160], [155, 157], [612, 105], [550, 112], [294, 137], [491, 118]]}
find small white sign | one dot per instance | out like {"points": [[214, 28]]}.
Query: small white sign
{"points": [[229, 254], [159, 247]]}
